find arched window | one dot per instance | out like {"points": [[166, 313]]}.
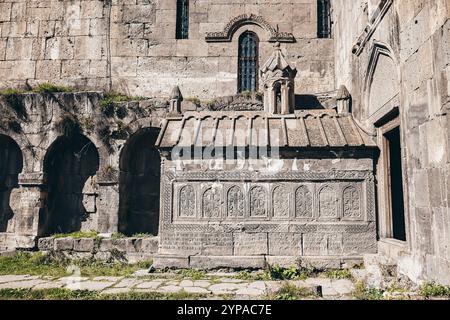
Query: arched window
{"points": [[248, 62], [323, 19], [182, 19]]}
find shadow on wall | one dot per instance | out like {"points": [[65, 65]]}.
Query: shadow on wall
{"points": [[11, 163], [68, 164], [140, 174], [307, 102]]}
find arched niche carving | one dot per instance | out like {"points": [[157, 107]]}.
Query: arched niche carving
{"points": [[382, 82], [226, 35]]}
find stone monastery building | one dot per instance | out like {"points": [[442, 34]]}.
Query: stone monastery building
{"points": [[248, 132]]}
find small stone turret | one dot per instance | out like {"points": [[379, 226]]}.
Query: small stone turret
{"points": [[343, 100], [175, 101], [277, 77]]}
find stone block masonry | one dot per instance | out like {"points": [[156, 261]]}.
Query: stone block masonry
{"points": [[127, 45]]}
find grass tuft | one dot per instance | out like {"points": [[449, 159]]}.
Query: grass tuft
{"points": [[56, 265], [77, 235], [290, 291], [362, 292], [65, 294], [431, 289], [47, 87]]}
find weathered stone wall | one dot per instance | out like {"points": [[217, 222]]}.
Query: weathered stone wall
{"points": [[130, 250], [130, 45], [46, 125], [402, 60]]}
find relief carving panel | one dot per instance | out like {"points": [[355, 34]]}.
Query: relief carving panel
{"points": [[280, 202], [211, 203], [187, 202], [351, 201], [258, 202], [235, 202], [303, 203], [327, 203]]}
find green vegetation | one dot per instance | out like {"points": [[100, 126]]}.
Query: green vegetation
{"points": [[338, 274], [431, 289], [290, 291], [77, 235], [362, 292], [118, 235], [193, 100], [193, 274], [65, 294], [47, 87], [55, 265], [142, 235], [111, 98]]}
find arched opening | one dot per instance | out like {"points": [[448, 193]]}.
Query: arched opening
{"points": [[11, 163], [248, 63], [140, 174], [68, 166]]}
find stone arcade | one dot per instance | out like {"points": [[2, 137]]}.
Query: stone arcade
{"points": [[277, 130]]}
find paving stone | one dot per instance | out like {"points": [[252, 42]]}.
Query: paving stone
{"points": [[25, 284], [343, 286], [127, 283], [259, 285], [226, 287], [49, 285], [89, 285], [202, 283], [12, 278], [186, 283], [196, 290], [250, 292], [230, 280], [116, 290], [149, 285], [169, 289], [110, 279]]}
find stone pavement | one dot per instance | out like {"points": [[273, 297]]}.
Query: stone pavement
{"points": [[213, 286]]}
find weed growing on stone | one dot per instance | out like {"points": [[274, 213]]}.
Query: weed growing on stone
{"points": [[338, 274], [77, 235], [56, 265], [362, 292], [193, 274], [65, 294], [431, 289], [290, 291], [47, 87]]}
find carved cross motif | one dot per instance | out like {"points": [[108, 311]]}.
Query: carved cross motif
{"points": [[351, 202], [187, 202], [303, 203], [258, 201], [327, 203], [280, 202], [235, 202], [211, 203]]}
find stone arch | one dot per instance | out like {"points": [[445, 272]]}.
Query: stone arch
{"points": [[11, 164], [327, 203], [303, 202], [382, 82], [70, 166], [226, 35], [139, 183]]}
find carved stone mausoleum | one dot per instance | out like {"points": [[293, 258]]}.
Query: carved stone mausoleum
{"points": [[246, 134]]}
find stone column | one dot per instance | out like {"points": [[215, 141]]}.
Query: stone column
{"points": [[285, 99], [27, 203]]}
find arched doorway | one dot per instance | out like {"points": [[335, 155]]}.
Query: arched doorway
{"points": [[11, 163], [248, 63], [68, 165], [140, 173]]}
